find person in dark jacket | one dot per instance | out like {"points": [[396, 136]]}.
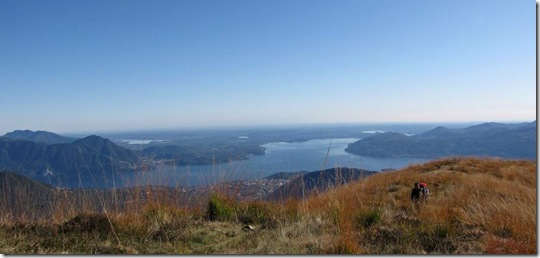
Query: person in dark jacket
{"points": [[415, 194]]}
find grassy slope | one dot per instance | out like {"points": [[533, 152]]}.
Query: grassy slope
{"points": [[476, 206]]}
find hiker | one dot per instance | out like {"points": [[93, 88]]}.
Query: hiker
{"points": [[415, 194], [424, 192]]}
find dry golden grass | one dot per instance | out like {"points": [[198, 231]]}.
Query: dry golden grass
{"points": [[476, 206]]}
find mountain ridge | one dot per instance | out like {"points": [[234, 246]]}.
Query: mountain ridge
{"points": [[65, 163], [488, 139], [39, 136]]}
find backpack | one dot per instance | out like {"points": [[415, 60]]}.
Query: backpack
{"points": [[424, 190]]}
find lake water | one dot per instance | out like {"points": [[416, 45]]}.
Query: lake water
{"points": [[280, 157]]}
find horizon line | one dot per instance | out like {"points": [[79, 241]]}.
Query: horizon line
{"points": [[262, 126]]}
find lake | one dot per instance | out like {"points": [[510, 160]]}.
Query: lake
{"points": [[308, 156]]}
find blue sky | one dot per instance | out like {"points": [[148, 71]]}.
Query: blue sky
{"points": [[69, 66]]}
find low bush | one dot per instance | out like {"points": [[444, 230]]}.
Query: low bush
{"points": [[220, 208], [257, 213], [369, 218]]}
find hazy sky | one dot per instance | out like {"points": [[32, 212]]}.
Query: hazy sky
{"points": [[68, 66]]}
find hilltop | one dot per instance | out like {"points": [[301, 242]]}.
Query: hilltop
{"points": [[316, 182], [39, 136], [73, 164], [477, 206]]}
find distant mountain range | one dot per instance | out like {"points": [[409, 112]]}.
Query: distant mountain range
{"points": [[39, 136], [83, 160], [306, 184], [488, 139], [70, 162]]}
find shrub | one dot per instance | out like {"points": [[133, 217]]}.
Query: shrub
{"points": [[88, 223], [369, 218], [258, 213], [220, 208]]}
